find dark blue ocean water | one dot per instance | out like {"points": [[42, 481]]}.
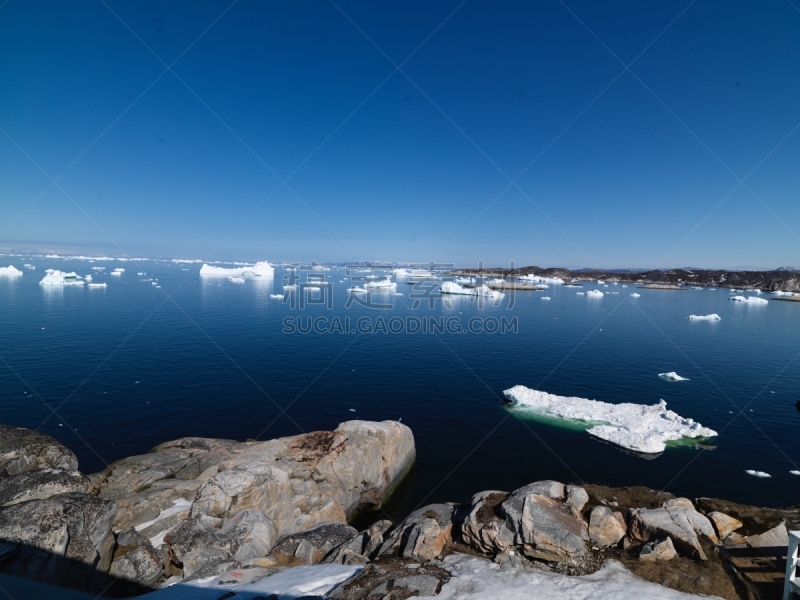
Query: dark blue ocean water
{"points": [[113, 372]]}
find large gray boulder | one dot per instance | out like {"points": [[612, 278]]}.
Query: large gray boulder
{"points": [[40, 484], [136, 560], [57, 531], [484, 527], [424, 533], [24, 450], [311, 546], [606, 527], [678, 520]]}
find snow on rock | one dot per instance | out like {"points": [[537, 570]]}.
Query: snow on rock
{"points": [[55, 277], [260, 269], [672, 376], [758, 474], [749, 299], [298, 582], [594, 294], [477, 578], [637, 427], [10, 271], [713, 317]]}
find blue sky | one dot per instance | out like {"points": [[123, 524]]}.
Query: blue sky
{"points": [[284, 131]]}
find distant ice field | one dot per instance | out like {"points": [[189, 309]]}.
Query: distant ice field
{"points": [[161, 352]]}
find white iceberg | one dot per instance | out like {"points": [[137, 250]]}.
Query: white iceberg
{"points": [[55, 277], [98, 268], [538, 279], [28, 266], [449, 287], [276, 296], [637, 427], [712, 317], [594, 294], [749, 300], [116, 273], [357, 290], [781, 293], [10, 271], [88, 279], [98, 285], [119, 270], [579, 294], [794, 472], [672, 376], [236, 279], [635, 295], [384, 284], [758, 474], [260, 269], [462, 280], [545, 297]]}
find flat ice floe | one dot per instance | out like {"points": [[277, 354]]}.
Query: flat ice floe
{"points": [[55, 277], [260, 269], [10, 271], [794, 472], [98, 285], [545, 297], [594, 294], [713, 317], [537, 279], [31, 267], [384, 284], [749, 300], [672, 376], [758, 474], [637, 427], [276, 296], [781, 293], [448, 287], [635, 295]]}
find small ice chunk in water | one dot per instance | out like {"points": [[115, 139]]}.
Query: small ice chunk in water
{"points": [[758, 473], [276, 296], [672, 376], [795, 472], [712, 317], [594, 294], [635, 295], [749, 300], [545, 297]]}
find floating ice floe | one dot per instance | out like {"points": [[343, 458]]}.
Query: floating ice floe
{"points": [[462, 280], [749, 300], [236, 279], [782, 293], [88, 279], [291, 287], [579, 294], [448, 287], [98, 285], [384, 284], [260, 269], [594, 294], [31, 267], [758, 474], [55, 277], [637, 427], [672, 376], [545, 297], [712, 317], [10, 271], [98, 268], [537, 279], [794, 472], [276, 296]]}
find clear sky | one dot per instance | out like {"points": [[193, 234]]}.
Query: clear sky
{"points": [[449, 131]]}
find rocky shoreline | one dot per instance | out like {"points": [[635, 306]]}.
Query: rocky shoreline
{"points": [[784, 280], [224, 515]]}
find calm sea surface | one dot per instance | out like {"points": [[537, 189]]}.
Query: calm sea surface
{"points": [[113, 372]]}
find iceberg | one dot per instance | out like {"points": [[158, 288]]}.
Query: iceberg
{"points": [[384, 284], [594, 294], [55, 277], [357, 290], [758, 474], [461, 280], [28, 266], [713, 317], [545, 297], [672, 376], [537, 279], [236, 279], [749, 300], [794, 472], [119, 270], [636, 427], [98, 268], [781, 293], [579, 294], [116, 273], [98, 285], [10, 271], [260, 269], [449, 287]]}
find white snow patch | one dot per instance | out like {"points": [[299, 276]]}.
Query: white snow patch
{"points": [[178, 505], [477, 579], [672, 376], [758, 474], [260, 269], [10, 271], [749, 300], [712, 317], [55, 277], [637, 427]]}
